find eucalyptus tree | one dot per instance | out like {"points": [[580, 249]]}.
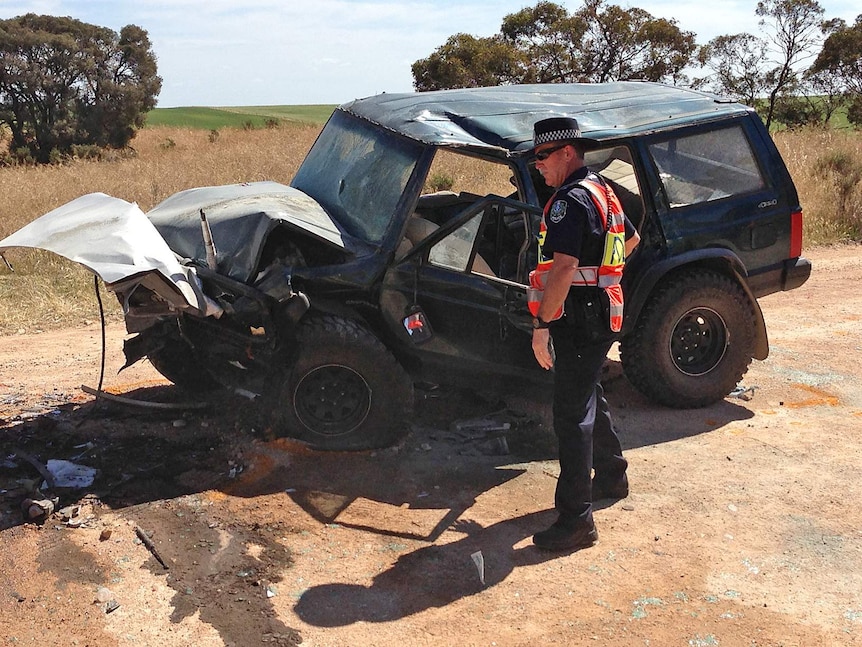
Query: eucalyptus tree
{"points": [[841, 59], [545, 43], [66, 83]]}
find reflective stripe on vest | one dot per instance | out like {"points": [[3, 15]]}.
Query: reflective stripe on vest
{"points": [[607, 275]]}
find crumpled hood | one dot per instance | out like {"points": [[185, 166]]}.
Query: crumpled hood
{"points": [[241, 217], [115, 240], [125, 247]]}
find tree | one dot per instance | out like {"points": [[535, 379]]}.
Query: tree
{"points": [[841, 59], [797, 111], [824, 91], [738, 64], [65, 83], [763, 69], [547, 44], [468, 62], [794, 28], [549, 39], [841, 55], [623, 44]]}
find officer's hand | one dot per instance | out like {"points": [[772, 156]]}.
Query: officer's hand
{"points": [[541, 340]]}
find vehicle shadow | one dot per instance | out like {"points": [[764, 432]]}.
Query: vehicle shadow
{"points": [[642, 423], [328, 486], [149, 454]]}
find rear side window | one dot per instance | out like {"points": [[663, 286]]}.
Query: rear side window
{"points": [[706, 166]]}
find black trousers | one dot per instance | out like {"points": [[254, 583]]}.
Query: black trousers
{"points": [[583, 425]]}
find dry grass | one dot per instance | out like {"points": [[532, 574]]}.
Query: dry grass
{"points": [[451, 171], [826, 166], [165, 160], [48, 292]]}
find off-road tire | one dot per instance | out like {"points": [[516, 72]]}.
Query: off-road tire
{"points": [[693, 342], [344, 391]]}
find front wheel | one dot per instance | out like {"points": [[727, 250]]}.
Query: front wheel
{"points": [[345, 391], [693, 342]]}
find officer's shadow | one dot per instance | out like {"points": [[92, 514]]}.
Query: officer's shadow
{"points": [[433, 576]]}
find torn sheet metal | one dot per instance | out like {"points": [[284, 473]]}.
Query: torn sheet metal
{"points": [[115, 240]]}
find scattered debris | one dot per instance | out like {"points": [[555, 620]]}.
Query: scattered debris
{"points": [[38, 510], [742, 393], [44, 471], [86, 447], [487, 430], [103, 594], [71, 516], [483, 427], [479, 561], [142, 403], [68, 474], [150, 546]]}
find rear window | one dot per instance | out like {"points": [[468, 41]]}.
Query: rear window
{"points": [[706, 166]]}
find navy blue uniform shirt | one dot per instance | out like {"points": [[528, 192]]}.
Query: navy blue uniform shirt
{"points": [[573, 224]]}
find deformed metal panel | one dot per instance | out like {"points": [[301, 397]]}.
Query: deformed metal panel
{"points": [[241, 217], [115, 240], [502, 117]]}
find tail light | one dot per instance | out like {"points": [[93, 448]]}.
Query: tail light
{"points": [[796, 233]]}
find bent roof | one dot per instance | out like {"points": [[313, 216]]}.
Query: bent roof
{"points": [[503, 116]]}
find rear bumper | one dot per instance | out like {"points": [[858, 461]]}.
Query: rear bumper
{"points": [[796, 272], [789, 275]]}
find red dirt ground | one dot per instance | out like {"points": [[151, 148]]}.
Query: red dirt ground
{"points": [[743, 526]]}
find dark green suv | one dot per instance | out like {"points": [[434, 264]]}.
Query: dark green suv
{"points": [[401, 249]]}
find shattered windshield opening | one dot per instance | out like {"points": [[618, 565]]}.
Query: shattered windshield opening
{"points": [[358, 173]]}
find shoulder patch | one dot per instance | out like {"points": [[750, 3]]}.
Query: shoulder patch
{"points": [[558, 211]]}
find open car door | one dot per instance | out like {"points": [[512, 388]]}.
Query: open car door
{"points": [[456, 299]]}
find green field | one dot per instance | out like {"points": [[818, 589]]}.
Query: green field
{"points": [[237, 117]]}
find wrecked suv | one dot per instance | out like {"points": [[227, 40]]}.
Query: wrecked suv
{"points": [[329, 298]]}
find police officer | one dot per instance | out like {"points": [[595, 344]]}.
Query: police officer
{"points": [[577, 245]]}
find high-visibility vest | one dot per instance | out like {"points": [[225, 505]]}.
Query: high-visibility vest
{"points": [[607, 275]]}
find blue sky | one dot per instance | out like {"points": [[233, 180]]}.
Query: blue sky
{"points": [[269, 52]]}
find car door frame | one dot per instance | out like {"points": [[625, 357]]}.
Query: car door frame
{"points": [[480, 325]]}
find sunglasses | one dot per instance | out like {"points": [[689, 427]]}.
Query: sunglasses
{"points": [[545, 154]]}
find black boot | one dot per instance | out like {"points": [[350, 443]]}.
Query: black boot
{"points": [[615, 489], [561, 537]]}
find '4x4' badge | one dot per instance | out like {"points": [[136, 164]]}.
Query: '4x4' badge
{"points": [[558, 211]]}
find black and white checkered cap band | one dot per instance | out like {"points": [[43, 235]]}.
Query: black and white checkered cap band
{"points": [[557, 136]]}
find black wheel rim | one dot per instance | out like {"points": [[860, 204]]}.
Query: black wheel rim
{"points": [[699, 341], [332, 400]]}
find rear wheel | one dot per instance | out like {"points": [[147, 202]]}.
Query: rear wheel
{"points": [[344, 391], [693, 342]]}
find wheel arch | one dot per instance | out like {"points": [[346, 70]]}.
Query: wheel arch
{"points": [[720, 260], [367, 381]]}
